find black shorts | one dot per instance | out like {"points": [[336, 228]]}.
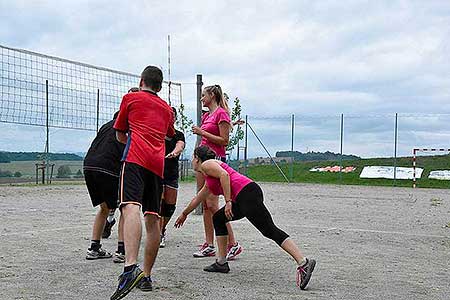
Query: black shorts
{"points": [[102, 187], [140, 186], [171, 182]]}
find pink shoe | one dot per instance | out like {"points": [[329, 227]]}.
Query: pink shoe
{"points": [[205, 251], [233, 251]]}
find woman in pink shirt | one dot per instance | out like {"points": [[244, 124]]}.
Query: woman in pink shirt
{"points": [[214, 132], [243, 198]]}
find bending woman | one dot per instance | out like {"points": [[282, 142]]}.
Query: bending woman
{"points": [[244, 198], [214, 132]]}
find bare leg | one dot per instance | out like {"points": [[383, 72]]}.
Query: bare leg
{"points": [[213, 207], [99, 222], [212, 202], [120, 229], [291, 248], [222, 247], [132, 229], [152, 242]]}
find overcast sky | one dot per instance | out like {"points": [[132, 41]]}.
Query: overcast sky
{"points": [[316, 59]]}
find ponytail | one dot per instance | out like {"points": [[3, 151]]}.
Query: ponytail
{"points": [[217, 93]]}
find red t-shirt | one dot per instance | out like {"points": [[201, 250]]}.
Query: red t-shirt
{"points": [[147, 119], [210, 123]]}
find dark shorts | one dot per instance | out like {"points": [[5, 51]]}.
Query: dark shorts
{"points": [[102, 187], [171, 182], [140, 186]]}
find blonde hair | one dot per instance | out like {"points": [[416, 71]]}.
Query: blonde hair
{"points": [[217, 93]]}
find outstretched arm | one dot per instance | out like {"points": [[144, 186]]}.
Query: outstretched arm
{"points": [[200, 197]]}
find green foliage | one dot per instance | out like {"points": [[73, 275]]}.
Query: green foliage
{"points": [[183, 123], [302, 173], [314, 156], [17, 174], [79, 174], [64, 172], [238, 133], [33, 156]]}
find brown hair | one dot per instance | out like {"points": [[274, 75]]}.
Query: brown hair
{"points": [[204, 153], [216, 91]]}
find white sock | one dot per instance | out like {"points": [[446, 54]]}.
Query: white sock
{"points": [[303, 262], [221, 260]]}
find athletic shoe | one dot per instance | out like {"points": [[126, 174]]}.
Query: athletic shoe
{"points": [[118, 257], [127, 281], [304, 273], [97, 254], [162, 242], [205, 251], [107, 230], [216, 267], [233, 251], [145, 284]]}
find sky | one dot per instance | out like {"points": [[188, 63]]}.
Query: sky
{"points": [[315, 59]]}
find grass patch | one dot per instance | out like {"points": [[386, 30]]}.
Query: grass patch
{"points": [[301, 172]]}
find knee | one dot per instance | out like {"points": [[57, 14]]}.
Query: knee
{"points": [[167, 210], [220, 223]]}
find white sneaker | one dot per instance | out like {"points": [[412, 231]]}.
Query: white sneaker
{"points": [[97, 254], [205, 251], [162, 242], [119, 257], [234, 251]]}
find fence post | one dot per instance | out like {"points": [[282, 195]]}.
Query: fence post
{"points": [[199, 209], [246, 145], [47, 143], [98, 107], [291, 170], [395, 147], [342, 146]]}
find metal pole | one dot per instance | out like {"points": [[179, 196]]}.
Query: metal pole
{"points": [[414, 168], [342, 146], [246, 145], [199, 104], [98, 108], [199, 209], [47, 150], [291, 170], [395, 147]]}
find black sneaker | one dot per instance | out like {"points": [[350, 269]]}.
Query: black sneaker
{"points": [[127, 281], [216, 267], [304, 273], [107, 230], [145, 284], [97, 254]]}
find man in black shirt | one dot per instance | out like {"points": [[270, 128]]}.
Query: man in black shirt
{"points": [[174, 147], [101, 172]]}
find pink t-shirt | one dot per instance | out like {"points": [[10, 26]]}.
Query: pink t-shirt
{"points": [[237, 182], [210, 123]]}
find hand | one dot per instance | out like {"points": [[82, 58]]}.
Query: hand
{"points": [[228, 211], [197, 130], [239, 122], [180, 221], [172, 155]]}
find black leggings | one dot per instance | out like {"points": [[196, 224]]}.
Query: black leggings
{"points": [[249, 204]]}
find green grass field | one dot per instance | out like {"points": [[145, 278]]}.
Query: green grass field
{"points": [[301, 172]]}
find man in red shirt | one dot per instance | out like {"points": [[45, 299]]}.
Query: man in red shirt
{"points": [[143, 122]]}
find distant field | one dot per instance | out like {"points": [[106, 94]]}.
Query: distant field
{"points": [[28, 168], [301, 172]]}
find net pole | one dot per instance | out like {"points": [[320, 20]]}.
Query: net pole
{"points": [[98, 108], [199, 209], [342, 146], [414, 168], [291, 170], [47, 150], [395, 147]]}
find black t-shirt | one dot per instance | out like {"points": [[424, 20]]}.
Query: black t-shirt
{"points": [[105, 152], [171, 164]]}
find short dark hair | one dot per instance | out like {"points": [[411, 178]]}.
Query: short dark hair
{"points": [[204, 153], [133, 90], [152, 77], [174, 112]]}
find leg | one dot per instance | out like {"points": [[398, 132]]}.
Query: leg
{"points": [[152, 242], [99, 222], [212, 205], [132, 229], [168, 206]]}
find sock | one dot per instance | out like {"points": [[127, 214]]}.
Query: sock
{"points": [[303, 262], [221, 260], [121, 247], [128, 268], [111, 216], [95, 245]]}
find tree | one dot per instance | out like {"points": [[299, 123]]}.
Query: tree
{"points": [[17, 174], [79, 174], [182, 122], [237, 134], [64, 171]]}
